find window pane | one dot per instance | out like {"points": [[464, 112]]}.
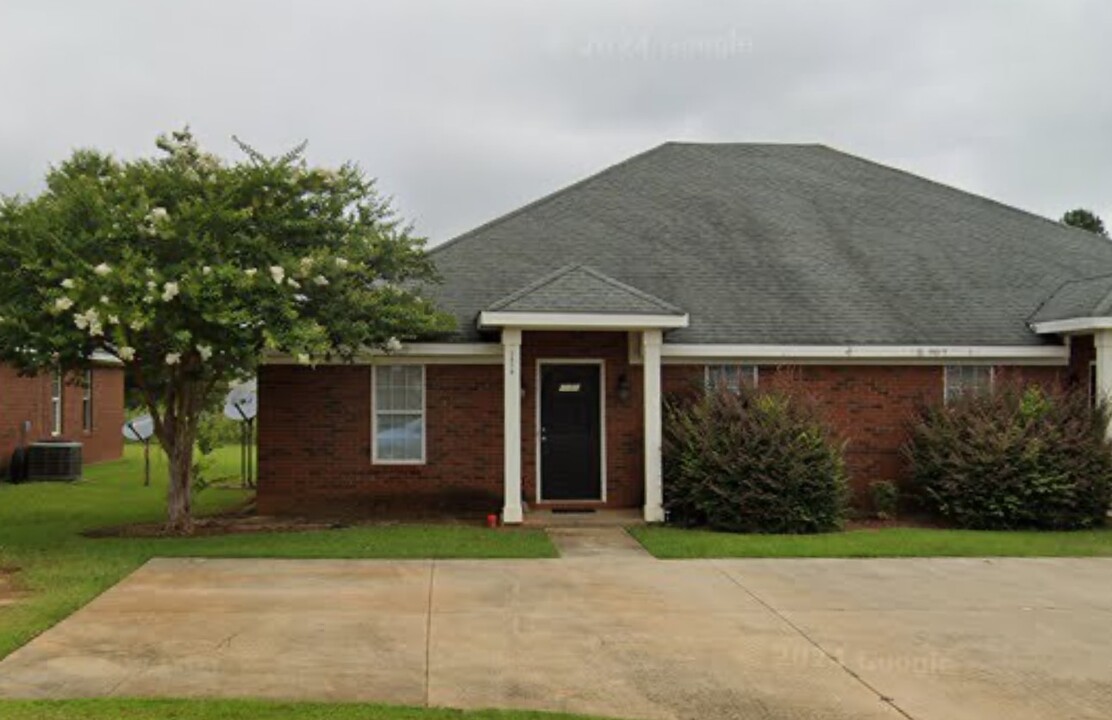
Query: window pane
{"points": [[400, 437], [733, 377], [962, 379]]}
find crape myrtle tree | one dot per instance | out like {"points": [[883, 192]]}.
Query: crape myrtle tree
{"points": [[188, 269]]}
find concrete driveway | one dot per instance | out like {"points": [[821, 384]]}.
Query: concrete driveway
{"points": [[613, 634]]}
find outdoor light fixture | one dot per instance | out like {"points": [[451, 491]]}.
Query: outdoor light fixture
{"points": [[623, 388]]}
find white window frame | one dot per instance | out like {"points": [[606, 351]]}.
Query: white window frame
{"points": [[375, 413], [57, 403], [753, 370], [87, 402], [946, 379]]}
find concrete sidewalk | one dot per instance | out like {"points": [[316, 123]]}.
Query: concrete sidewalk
{"points": [[627, 637]]}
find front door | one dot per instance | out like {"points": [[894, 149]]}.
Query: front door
{"points": [[571, 439]]}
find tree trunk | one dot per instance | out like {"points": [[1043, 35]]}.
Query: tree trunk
{"points": [[179, 498]]}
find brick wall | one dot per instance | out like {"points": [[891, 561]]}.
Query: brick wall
{"points": [[28, 398], [315, 427], [315, 443], [869, 406]]}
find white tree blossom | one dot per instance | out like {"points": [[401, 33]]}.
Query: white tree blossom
{"points": [[126, 353], [69, 284], [205, 351], [62, 304], [173, 358], [278, 273], [169, 291], [320, 280], [102, 269], [393, 344]]}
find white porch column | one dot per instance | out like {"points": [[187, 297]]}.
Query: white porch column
{"points": [[654, 487], [1102, 339], [511, 427]]}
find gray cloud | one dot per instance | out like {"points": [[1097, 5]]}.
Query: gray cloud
{"points": [[467, 110]]}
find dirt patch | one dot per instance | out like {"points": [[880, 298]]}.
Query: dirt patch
{"points": [[10, 592]]}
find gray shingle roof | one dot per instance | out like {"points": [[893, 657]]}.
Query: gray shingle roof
{"points": [[1091, 297], [580, 289], [783, 244]]}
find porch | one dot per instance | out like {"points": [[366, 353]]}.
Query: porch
{"points": [[573, 346]]}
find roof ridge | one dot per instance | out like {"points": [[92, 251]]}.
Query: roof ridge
{"points": [[647, 297], [549, 197], [954, 189], [564, 271], [533, 286], [1105, 300]]}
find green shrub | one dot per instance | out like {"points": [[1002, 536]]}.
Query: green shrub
{"points": [[1016, 458], [886, 498], [752, 461]]}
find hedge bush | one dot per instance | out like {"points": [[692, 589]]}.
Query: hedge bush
{"points": [[1016, 458], [748, 461]]}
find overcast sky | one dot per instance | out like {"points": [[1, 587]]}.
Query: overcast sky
{"points": [[465, 110]]}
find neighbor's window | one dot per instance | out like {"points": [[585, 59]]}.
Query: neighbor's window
{"points": [[399, 413], [1093, 390], [56, 403], [733, 377], [87, 402], [962, 379]]}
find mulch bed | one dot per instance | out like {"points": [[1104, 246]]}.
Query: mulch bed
{"points": [[872, 523], [219, 525], [245, 521]]}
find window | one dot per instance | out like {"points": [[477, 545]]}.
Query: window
{"points": [[399, 413], [962, 379], [87, 402], [734, 377], [56, 403]]}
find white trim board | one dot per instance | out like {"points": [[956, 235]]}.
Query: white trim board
{"points": [[410, 353], [697, 354], [678, 354], [579, 321], [601, 424], [1072, 325]]}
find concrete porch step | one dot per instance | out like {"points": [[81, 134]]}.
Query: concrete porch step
{"points": [[548, 518]]}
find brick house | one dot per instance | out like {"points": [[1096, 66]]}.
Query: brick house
{"points": [[876, 289], [86, 407]]}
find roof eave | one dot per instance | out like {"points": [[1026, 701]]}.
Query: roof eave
{"points": [[1067, 326]]}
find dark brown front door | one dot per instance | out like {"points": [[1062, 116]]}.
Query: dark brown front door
{"points": [[571, 443]]}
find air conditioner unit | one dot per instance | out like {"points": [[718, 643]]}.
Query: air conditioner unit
{"points": [[54, 461]]}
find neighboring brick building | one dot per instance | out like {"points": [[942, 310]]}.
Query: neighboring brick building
{"points": [[872, 290], [86, 408]]}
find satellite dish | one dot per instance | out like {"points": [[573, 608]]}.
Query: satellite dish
{"points": [[242, 403], [140, 429]]}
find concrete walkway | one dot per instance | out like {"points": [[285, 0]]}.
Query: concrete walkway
{"points": [[623, 636]]}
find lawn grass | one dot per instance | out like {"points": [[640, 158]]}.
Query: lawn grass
{"points": [[60, 570], [114, 709], [675, 543]]}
